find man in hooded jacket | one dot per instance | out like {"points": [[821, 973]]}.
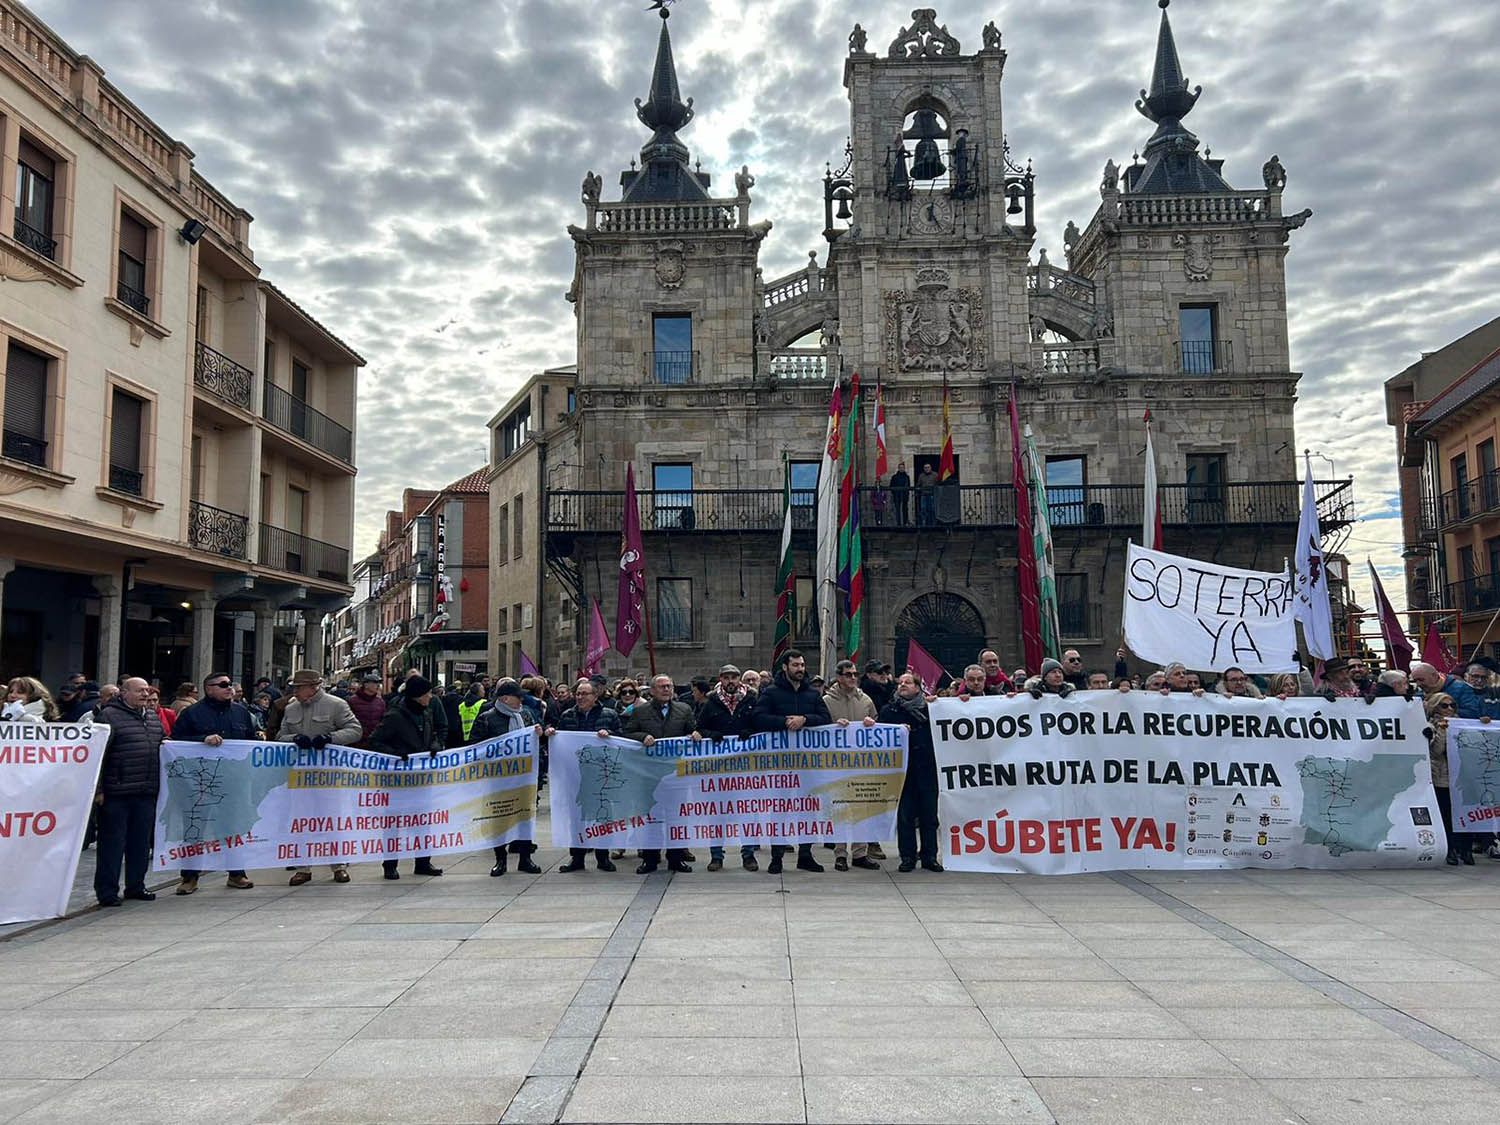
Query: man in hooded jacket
{"points": [[409, 729]]}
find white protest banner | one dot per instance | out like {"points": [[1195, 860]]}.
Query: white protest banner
{"points": [[1107, 780], [1209, 617], [1474, 774], [818, 784], [267, 804], [47, 780]]}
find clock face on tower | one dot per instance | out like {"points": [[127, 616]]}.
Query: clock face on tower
{"points": [[931, 214]]}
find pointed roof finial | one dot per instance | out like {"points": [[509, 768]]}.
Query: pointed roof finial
{"points": [[1169, 98], [664, 108], [665, 174]]}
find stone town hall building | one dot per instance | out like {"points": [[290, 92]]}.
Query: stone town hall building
{"points": [[710, 379]]}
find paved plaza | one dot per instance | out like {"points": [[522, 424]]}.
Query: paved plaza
{"points": [[1215, 997]]}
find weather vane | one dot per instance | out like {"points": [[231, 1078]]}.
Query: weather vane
{"points": [[664, 5]]}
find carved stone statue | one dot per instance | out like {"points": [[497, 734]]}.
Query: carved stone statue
{"points": [[828, 337], [1294, 222], [1071, 235], [1038, 328], [857, 41], [924, 39], [1274, 174], [991, 37], [1103, 325], [743, 181], [592, 186], [1111, 181], [1041, 259]]}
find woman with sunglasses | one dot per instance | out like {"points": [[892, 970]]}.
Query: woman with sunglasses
{"points": [[1441, 708]]}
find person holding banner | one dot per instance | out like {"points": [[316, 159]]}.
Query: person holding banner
{"points": [[312, 720], [1440, 708], [210, 721], [917, 811], [725, 713], [790, 703], [129, 780], [503, 716], [27, 700], [587, 713], [662, 716], [408, 729]]}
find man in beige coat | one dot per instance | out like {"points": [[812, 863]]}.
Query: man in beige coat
{"points": [[312, 720], [848, 704]]}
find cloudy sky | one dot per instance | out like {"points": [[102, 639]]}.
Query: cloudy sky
{"points": [[412, 166]]}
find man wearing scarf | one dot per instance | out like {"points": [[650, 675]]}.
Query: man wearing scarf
{"points": [[505, 716], [725, 713], [919, 795]]}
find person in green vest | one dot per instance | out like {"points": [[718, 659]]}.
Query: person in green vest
{"points": [[469, 707]]}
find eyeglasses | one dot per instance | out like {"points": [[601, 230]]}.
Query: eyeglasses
{"points": [[222, 683], [628, 691], [850, 672], [1445, 707], [1074, 659]]}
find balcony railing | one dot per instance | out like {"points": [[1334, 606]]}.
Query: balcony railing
{"points": [[124, 479], [33, 239], [1204, 357], [798, 363], [19, 447], [291, 415], [673, 368], [217, 531], [134, 298], [286, 550], [222, 377], [1067, 359], [1272, 503], [1479, 593], [1476, 498]]}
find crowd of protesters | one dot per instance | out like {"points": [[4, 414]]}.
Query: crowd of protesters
{"points": [[421, 717]]}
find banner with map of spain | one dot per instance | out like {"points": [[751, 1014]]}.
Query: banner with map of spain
{"points": [[1474, 775], [1104, 780], [269, 804], [817, 785]]}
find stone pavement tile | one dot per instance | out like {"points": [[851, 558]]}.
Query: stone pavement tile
{"points": [[1221, 968], [998, 931], [500, 993], [1192, 949], [666, 1098], [1433, 994], [166, 995], [854, 950], [61, 973], [644, 991], [363, 993], [823, 967], [1273, 1023], [459, 1056], [711, 1020], [1374, 970], [1467, 1024], [1137, 1021], [1124, 1058], [1059, 945], [542, 931], [510, 969], [622, 1056], [487, 1021], [854, 990], [1034, 968], [1394, 1101], [406, 931], [1009, 994], [353, 952], [189, 1101], [715, 949], [322, 967], [1148, 1101], [227, 1025], [922, 1098], [1222, 994], [169, 1059], [476, 948], [685, 972], [14, 997], [396, 1099], [19, 1095], [895, 1020], [433, 913], [835, 1055], [101, 1026], [1167, 928], [1335, 1058], [67, 1058]]}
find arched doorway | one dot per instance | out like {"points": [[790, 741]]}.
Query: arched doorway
{"points": [[946, 625]]}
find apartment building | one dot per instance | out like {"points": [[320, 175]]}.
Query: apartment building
{"points": [[178, 458]]}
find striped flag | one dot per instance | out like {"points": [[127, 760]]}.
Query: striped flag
{"points": [[851, 555], [1041, 544], [1151, 517], [1026, 576], [881, 465], [786, 577], [826, 582], [945, 461]]}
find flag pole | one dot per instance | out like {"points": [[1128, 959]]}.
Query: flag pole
{"points": [[650, 644]]}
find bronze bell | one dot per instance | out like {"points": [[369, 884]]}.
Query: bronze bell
{"points": [[1015, 194], [843, 195], [927, 163]]}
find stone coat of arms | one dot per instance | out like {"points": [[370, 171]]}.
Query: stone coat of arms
{"points": [[935, 328], [670, 266]]}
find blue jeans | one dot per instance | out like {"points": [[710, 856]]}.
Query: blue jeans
{"points": [[746, 851]]}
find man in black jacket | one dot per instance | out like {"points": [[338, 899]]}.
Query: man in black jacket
{"points": [[129, 780], [876, 683], [725, 713], [661, 716], [789, 704], [507, 715], [919, 793], [407, 730], [587, 713], [211, 720]]}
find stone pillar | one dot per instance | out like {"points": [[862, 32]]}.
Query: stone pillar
{"points": [[265, 625], [312, 640], [203, 635], [110, 588]]}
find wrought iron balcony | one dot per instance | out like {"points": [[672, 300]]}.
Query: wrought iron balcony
{"points": [[286, 550], [134, 298], [124, 479], [1204, 357], [217, 531], [1481, 592], [1476, 498], [19, 447], [221, 377], [33, 239], [1100, 507], [291, 415], [673, 368]]}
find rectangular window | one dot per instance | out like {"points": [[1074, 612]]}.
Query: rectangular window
{"points": [[1492, 553], [503, 526], [265, 498], [127, 417], [296, 510], [1073, 618], [201, 327], [502, 624], [268, 364], [672, 347], [132, 286], [805, 613], [672, 496], [1205, 491], [516, 429], [515, 656], [1067, 483], [1462, 505], [1466, 563], [517, 526], [25, 431], [515, 619], [1199, 329], [199, 467], [674, 609], [298, 405], [1489, 488], [805, 493], [36, 179]]}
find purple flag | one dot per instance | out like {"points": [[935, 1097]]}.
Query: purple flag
{"points": [[527, 667], [924, 666], [593, 656], [1398, 649], [630, 604]]}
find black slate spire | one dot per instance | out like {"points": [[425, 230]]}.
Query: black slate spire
{"points": [[664, 174], [1173, 165]]}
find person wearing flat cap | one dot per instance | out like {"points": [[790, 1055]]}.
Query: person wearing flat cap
{"points": [[407, 730], [314, 718], [508, 714]]}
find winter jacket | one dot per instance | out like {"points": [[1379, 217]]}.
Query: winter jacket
{"points": [[781, 701], [880, 694], [406, 731], [921, 761], [227, 720], [323, 714], [369, 712], [646, 718], [27, 714], [82, 707], [716, 720], [132, 759], [600, 718], [492, 722], [453, 727], [854, 705], [1466, 704]]}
